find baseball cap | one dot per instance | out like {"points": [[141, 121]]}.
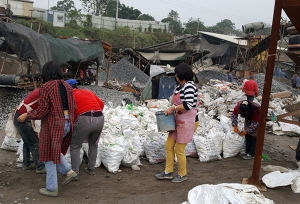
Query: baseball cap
{"points": [[71, 82]]}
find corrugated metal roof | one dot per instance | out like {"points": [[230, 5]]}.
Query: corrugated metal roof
{"points": [[228, 38]]}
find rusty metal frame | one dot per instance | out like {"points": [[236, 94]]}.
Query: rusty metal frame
{"points": [[291, 8], [281, 117]]}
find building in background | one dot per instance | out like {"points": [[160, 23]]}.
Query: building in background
{"points": [[20, 8]]}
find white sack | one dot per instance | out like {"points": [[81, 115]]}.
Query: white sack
{"points": [[296, 185], [155, 150], [209, 147], [276, 178], [191, 150], [226, 193], [10, 129], [232, 144], [10, 143], [111, 156]]}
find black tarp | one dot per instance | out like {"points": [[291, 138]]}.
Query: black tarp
{"points": [[41, 48]]}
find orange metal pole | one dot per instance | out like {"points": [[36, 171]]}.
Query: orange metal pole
{"points": [[254, 179]]}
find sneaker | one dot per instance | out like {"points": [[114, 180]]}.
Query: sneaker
{"points": [[69, 178], [179, 179], [248, 156], [242, 154], [164, 176], [90, 172], [45, 192], [41, 171], [29, 167]]}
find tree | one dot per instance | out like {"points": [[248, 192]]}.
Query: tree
{"points": [[226, 23], [74, 15], [127, 12], [65, 5], [174, 15], [175, 25], [96, 7], [194, 25], [145, 17], [111, 7]]}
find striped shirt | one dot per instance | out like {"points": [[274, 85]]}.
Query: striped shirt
{"points": [[188, 94]]}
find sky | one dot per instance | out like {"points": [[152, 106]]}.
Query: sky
{"points": [[210, 12]]}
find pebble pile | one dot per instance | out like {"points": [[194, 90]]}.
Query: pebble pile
{"points": [[124, 72], [211, 74], [277, 86]]}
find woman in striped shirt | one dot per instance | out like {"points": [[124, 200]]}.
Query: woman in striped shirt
{"points": [[184, 101]]}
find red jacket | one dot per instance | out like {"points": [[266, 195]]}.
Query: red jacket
{"points": [[250, 88], [33, 96], [51, 113], [86, 101]]}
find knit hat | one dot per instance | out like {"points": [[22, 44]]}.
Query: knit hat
{"points": [[244, 107]]}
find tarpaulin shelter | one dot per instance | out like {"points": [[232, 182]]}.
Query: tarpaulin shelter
{"points": [[160, 85], [41, 48], [223, 48]]}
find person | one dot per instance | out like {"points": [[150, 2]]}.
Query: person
{"points": [[89, 121], [250, 88], [28, 134], [184, 101], [295, 81], [230, 77], [56, 110], [250, 111]]}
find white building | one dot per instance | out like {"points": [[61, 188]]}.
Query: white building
{"points": [[20, 8]]}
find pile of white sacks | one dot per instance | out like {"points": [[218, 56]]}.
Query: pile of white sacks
{"points": [[130, 132]]}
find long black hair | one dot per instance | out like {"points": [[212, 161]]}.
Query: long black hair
{"points": [[51, 71], [246, 109]]}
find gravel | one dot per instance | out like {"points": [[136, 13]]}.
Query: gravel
{"points": [[10, 97], [211, 74], [124, 72], [277, 86]]}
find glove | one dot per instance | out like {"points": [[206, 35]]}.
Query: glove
{"points": [[235, 129], [243, 133]]}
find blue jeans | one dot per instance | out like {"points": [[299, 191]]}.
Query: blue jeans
{"points": [[30, 142], [63, 168]]}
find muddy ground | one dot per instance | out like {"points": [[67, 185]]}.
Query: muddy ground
{"points": [[128, 186]]}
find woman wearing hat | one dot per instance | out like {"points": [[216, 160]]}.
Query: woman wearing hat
{"points": [[250, 111]]}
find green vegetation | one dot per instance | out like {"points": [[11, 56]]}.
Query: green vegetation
{"points": [[122, 37]]}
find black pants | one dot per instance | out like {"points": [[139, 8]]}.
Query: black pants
{"points": [[250, 144], [250, 98]]}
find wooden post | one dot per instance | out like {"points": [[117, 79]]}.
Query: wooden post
{"points": [[4, 60], [108, 67], [97, 72], [139, 62]]}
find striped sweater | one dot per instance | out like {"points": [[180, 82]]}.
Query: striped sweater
{"points": [[188, 94]]}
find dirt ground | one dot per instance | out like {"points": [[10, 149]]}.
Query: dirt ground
{"points": [[135, 187]]}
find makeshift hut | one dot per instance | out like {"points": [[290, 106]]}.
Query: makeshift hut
{"points": [[161, 83]]}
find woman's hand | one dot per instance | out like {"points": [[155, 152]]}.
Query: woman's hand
{"points": [[170, 110], [22, 117]]}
